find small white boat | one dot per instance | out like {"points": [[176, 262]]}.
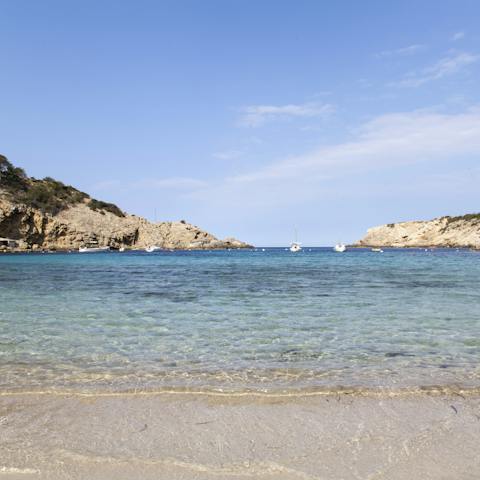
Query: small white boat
{"points": [[379, 250], [339, 247], [93, 249], [295, 247], [121, 249], [152, 248]]}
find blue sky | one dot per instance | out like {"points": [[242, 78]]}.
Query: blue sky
{"points": [[249, 118]]}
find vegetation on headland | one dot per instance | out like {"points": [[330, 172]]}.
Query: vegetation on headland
{"points": [[48, 195], [11, 177], [105, 207], [467, 218]]}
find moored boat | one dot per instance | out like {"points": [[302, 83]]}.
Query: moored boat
{"points": [[152, 248], [295, 247], [93, 249], [339, 247]]}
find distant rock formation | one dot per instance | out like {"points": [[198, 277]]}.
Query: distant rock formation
{"points": [[48, 215], [459, 232]]}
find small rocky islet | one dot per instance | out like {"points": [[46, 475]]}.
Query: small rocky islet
{"points": [[46, 214]]}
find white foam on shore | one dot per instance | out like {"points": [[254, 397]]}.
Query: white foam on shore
{"points": [[379, 392]]}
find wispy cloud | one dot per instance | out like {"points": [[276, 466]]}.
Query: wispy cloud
{"points": [[392, 139], [457, 36], [446, 66], [402, 52], [257, 115], [388, 141]]}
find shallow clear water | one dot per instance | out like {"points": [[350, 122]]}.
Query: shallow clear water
{"points": [[239, 320]]}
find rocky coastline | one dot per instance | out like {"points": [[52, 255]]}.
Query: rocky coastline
{"points": [[443, 232], [46, 215]]}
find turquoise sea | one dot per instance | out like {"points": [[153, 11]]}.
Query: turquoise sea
{"points": [[239, 320]]}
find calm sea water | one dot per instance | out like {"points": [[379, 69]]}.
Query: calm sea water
{"points": [[234, 320]]}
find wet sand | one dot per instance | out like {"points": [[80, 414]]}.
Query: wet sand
{"points": [[193, 436]]}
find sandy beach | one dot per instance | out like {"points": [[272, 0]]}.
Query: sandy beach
{"points": [[209, 436]]}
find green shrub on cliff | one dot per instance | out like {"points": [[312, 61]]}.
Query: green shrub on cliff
{"points": [[11, 178], [48, 195], [468, 218], [105, 207]]}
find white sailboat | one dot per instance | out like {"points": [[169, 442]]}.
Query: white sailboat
{"points": [[339, 247], [295, 246]]}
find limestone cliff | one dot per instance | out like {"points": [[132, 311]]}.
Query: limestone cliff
{"points": [[457, 232], [46, 214]]}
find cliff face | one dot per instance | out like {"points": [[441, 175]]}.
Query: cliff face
{"points": [[45, 214], [440, 232]]}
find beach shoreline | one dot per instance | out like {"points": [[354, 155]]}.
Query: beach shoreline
{"points": [[206, 436]]}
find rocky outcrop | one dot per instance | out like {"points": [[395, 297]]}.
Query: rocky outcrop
{"points": [[456, 232], [48, 215], [79, 225]]}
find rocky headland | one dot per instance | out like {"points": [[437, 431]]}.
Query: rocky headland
{"points": [[48, 215], [456, 232]]}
